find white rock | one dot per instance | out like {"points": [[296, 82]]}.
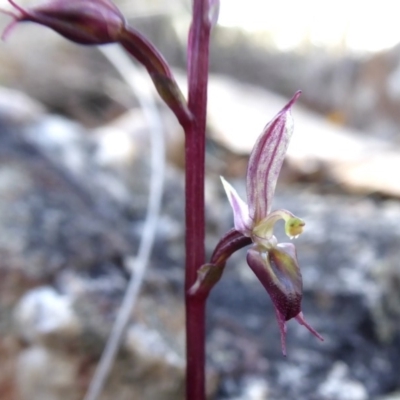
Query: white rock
{"points": [[63, 141], [339, 386], [150, 346], [120, 141], [255, 388], [43, 312]]}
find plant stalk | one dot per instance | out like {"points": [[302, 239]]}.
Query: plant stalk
{"points": [[198, 61]]}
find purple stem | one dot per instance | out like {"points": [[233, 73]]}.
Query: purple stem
{"points": [[198, 60]]}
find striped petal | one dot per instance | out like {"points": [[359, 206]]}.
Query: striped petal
{"points": [[266, 161]]}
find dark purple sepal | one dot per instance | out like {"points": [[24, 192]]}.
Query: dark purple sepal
{"points": [[232, 241], [279, 273]]}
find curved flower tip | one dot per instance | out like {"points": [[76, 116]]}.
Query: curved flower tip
{"points": [[294, 227], [283, 329], [291, 102], [85, 22]]}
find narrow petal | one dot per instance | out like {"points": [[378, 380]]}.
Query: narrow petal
{"points": [[282, 329], [240, 210], [279, 273], [266, 161], [300, 319]]}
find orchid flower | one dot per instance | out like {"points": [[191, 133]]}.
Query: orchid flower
{"points": [[275, 264]]}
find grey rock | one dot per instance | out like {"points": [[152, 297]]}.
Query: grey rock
{"points": [[392, 396], [65, 234]]}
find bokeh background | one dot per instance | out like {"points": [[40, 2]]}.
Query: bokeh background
{"points": [[74, 184]]}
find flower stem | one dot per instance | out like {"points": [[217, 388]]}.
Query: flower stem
{"points": [[198, 60]]}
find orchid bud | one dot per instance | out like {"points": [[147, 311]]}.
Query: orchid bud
{"points": [[97, 22], [88, 22]]}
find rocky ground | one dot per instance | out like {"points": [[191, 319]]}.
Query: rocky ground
{"points": [[65, 234], [71, 216]]}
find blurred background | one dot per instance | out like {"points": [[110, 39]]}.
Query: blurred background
{"points": [[74, 179]]}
